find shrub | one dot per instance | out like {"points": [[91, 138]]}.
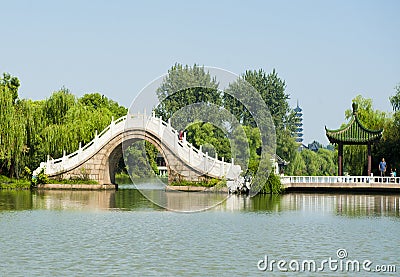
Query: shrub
{"points": [[273, 185]]}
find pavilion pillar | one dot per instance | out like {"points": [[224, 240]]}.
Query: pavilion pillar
{"points": [[369, 159], [340, 160]]}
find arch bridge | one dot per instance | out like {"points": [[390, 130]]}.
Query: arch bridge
{"points": [[98, 159]]}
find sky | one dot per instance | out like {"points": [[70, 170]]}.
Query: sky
{"points": [[327, 52]]}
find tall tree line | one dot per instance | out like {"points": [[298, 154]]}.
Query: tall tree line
{"points": [[186, 85], [31, 130]]}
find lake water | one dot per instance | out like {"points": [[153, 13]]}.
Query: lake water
{"points": [[121, 233]]}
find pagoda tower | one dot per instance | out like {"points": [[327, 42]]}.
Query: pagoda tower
{"points": [[298, 133]]}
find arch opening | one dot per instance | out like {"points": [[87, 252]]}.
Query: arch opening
{"points": [[136, 160]]}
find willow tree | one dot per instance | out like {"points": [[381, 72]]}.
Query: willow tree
{"points": [[70, 121], [12, 126]]}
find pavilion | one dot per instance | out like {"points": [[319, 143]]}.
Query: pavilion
{"points": [[354, 133]]}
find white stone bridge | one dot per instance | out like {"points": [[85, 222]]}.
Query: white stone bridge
{"points": [[98, 159]]}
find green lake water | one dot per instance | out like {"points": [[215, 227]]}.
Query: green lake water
{"points": [[121, 233]]}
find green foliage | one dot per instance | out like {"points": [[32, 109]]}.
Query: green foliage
{"points": [[286, 146], [72, 181], [355, 156], [254, 141], [310, 163], [122, 178], [95, 101], [9, 183], [273, 185], [297, 167], [40, 179], [35, 129], [12, 125], [185, 85], [11, 84], [194, 85], [140, 159], [395, 99], [208, 183], [211, 138], [272, 90]]}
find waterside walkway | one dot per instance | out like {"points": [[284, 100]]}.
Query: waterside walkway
{"points": [[362, 183]]}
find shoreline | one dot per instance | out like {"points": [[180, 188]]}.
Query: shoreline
{"points": [[77, 187], [196, 189]]}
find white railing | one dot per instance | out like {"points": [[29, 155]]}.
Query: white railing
{"points": [[338, 179], [168, 136]]}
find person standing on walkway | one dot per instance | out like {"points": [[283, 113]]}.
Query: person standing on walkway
{"points": [[382, 167]]}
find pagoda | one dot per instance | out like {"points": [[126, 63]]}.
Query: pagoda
{"points": [[354, 133], [298, 115]]}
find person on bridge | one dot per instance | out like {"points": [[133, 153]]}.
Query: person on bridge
{"points": [[382, 167]]}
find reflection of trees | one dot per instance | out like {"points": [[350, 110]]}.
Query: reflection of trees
{"points": [[132, 199], [15, 200], [368, 205], [72, 199], [267, 202], [352, 205]]}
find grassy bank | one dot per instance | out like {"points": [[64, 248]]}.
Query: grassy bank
{"points": [[71, 181], [208, 184], [9, 183], [122, 178]]}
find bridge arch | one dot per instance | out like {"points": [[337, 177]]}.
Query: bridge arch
{"points": [[114, 152], [98, 159]]}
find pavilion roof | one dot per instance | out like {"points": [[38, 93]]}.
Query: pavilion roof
{"points": [[354, 132]]}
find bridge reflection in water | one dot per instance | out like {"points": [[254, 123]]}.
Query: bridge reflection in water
{"points": [[352, 205]]}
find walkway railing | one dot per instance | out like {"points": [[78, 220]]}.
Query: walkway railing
{"points": [[338, 179]]}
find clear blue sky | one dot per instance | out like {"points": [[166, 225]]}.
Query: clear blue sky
{"points": [[326, 51]]}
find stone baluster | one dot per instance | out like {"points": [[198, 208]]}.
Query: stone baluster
{"points": [[96, 138], [190, 153], [112, 125], [223, 167], [160, 126], [205, 161], [48, 162]]}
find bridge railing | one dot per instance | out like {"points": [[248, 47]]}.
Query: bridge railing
{"points": [[66, 162], [339, 179], [196, 158]]}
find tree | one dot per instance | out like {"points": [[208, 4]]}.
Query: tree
{"points": [[140, 159], [272, 90], [297, 166], [12, 125], [11, 84], [395, 99], [185, 85], [98, 102], [31, 130]]}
